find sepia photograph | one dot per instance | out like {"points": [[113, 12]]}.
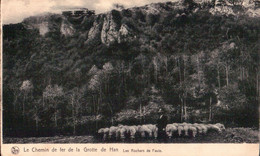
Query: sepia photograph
{"points": [[130, 72]]}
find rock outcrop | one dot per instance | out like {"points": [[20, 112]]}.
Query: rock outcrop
{"points": [[108, 28], [95, 31], [50, 23], [43, 28], [66, 29], [109, 33], [123, 33]]}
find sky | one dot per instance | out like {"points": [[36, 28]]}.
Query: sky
{"points": [[14, 11]]}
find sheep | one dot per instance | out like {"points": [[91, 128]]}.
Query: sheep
{"points": [[221, 126], [170, 129], [189, 128], [186, 129], [198, 127], [214, 128], [132, 131], [145, 129], [204, 128], [112, 131], [180, 129], [127, 129], [105, 133], [138, 130], [175, 124], [123, 132], [154, 130], [208, 126], [193, 131], [118, 132], [100, 132]]}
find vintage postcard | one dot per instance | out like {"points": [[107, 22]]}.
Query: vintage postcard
{"points": [[136, 77]]}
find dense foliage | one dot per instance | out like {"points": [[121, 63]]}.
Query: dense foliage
{"points": [[197, 66]]}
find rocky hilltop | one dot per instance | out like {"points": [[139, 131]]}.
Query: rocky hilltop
{"points": [[119, 26]]}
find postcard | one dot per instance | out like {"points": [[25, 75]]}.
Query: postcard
{"points": [[136, 77]]}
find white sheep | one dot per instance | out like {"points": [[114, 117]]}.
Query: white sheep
{"points": [[132, 132], [154, 130], [124, 130], [215, 128], [138, 129], [180, 129], [112, 131], [198, 127], [101, 131], [145, 129], [127, 129], [221, 126], [175, 124], [193, 131], [170, 129], [186, 129], [105, 133], [204, 128], [118, 133]]}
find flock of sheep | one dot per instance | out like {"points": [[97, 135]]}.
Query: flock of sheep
{"points": [[188, 129], [151, 131]]}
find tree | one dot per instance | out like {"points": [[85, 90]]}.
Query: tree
{"points": [[51, 96], [26, 89], [232, 101], [99, 87], [35, 111], [75, 96], [227, 58]]}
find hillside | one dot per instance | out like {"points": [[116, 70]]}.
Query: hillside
{"points": [[197, 61]]}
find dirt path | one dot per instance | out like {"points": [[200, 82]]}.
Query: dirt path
{"points": [[231, 135]]}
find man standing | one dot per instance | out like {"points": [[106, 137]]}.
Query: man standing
{"points": [[161, 124]]}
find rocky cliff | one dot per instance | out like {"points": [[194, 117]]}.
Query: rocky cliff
{"points": [[119, 26]]}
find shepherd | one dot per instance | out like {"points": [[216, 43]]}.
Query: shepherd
{"points": [[161, 124]]}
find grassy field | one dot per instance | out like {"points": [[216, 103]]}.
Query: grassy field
{"points": [[230, 135]]}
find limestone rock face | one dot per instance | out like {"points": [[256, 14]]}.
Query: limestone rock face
{"points": [[109, 33], [66, 29], [50, 23], [124, 32], [222, 10], [110, 27], [94, 31], [226, 8], [43, 28], [38, 22]]}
